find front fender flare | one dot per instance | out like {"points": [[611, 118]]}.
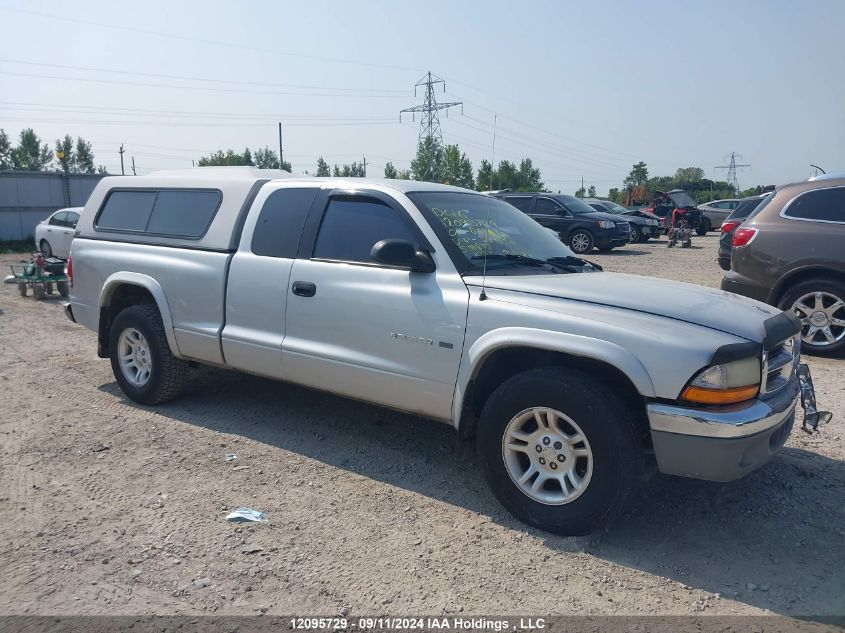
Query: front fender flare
{"points": [[148, 283], [547, 340]]}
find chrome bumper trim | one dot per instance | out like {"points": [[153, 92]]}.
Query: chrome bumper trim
{"points": [[738, 420]]}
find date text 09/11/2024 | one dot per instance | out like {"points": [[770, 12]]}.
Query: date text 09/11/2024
{"points": [[417, 623]]}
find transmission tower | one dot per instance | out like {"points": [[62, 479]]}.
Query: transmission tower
{"points": [[430, 117], [732, 167]]}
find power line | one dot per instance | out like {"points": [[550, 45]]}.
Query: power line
{"points": [[204, 79]]}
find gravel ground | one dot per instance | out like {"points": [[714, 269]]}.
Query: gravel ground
{"points": [[108, 507]]}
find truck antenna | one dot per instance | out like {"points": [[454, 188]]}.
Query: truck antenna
{"points": [[483, 294]]}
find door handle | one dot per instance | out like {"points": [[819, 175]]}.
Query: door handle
{"points": [[304, 289]]}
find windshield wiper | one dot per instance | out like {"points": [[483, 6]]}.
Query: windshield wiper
{"points": [[572, 261], [519, 259]]}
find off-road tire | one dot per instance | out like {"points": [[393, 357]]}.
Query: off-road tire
{"points": [[62, 287], [704, 226], [612, 426], [45, 248], [48, 287], [22, 289], [822, 284], [38, 291], [168, 374]]}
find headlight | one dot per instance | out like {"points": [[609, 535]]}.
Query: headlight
{"points": [[725, 384], [606, 224]]}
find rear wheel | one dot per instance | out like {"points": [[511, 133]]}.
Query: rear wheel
{"points": [[45, 248], [581, 241], [22, 289], [38, 291], [704, 226], [63, 289], [560, 451], [820, 304], [141, 359]]}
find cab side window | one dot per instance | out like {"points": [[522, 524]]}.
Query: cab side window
{"points": [[280, 222], [351, 226]]}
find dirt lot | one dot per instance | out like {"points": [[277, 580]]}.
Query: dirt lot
{"points": [[107, 507]]}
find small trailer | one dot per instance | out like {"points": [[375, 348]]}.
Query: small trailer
{"points": [[41, 274]]}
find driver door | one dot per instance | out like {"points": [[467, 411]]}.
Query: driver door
{"points": [[369, 331]]}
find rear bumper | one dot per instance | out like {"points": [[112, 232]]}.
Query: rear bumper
{"points": [[734, 282], [69, 312], [724, 261], [724, 443]]}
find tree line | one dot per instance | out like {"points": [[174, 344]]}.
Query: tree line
{"points": [[32, 154]]}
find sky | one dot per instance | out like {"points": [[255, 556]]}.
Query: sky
{"points": [[584, 89]]}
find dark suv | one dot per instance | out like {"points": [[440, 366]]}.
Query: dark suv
{"points": [[745, 208], [790, 252], [578, 225]]}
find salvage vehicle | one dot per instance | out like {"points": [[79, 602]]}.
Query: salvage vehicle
{"points": [[578, 224], [678, 212], [789, 253], [445, 303], [644, 226]]}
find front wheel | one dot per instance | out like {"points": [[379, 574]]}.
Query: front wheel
{"points": [[141, 360], [581, 241], [703, 227], [635, 234], [561, 451]]}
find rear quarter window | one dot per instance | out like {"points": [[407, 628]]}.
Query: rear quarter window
{"points": [[826, 205], [166, 212], [279, 225]]}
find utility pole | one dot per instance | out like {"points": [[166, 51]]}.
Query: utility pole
{"points": [[583, 192], [430, 119], [133, 166], [120, 151], [365, 166], [281, 155], [732, 167]]}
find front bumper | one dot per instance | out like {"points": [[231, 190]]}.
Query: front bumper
{"points": [[724, 443]]}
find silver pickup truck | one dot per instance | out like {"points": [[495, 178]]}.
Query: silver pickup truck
{"points": [[445, 303]]}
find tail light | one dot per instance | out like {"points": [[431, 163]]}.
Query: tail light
{"points": [[70, 271], [743, 237], [729, 225]]}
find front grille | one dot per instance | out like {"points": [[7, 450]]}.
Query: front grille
{"points": [[779, 365], [624, 227]]}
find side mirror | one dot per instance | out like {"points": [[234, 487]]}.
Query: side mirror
{"points": [[402, 254]]}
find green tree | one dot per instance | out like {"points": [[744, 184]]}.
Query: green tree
{"points": [[31, 154], [484, 180], [526, 177], [5, 150], [591, 192], [84, 156], [267, 158], [102, 170], [229, 158], [638, 175], [390, 170], [579, 193], [529, 178], [456, 169], [615, 195], [65, 153], [323, 168], [353, 170], [689, 174], [428, 163]]}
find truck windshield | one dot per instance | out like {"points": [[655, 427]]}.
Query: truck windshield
{"points": [[474, 223]]}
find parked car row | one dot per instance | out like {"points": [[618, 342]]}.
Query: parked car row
{"points": [[788, 250]]}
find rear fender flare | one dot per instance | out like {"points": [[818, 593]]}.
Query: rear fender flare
{"points": [[118, 279]]}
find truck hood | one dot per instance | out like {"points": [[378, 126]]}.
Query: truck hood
{"points": [[708, 307]]}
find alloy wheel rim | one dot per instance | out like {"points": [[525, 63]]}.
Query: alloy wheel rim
{"points": [[822, 315], [580, 242], [136, 362], [547, 456]]}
